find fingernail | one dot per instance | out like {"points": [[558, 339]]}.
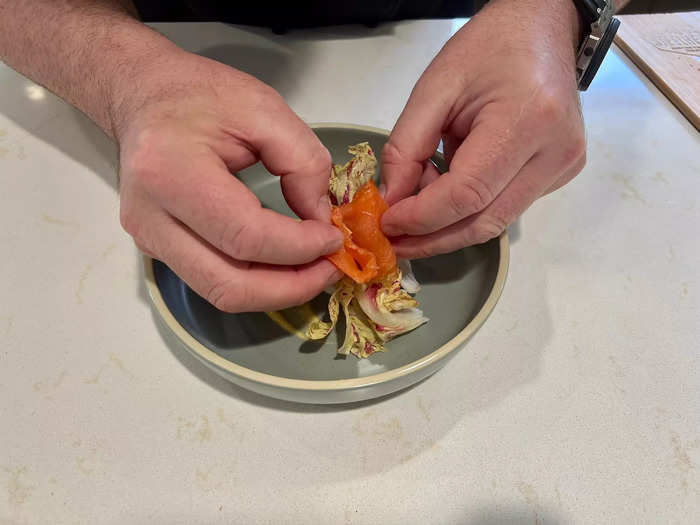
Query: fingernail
{"points": [[390, 230], [382, 190]]}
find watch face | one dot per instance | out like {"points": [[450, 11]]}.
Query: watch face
{"points": [[599, 54]]}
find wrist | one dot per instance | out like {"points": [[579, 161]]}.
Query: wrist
{"points": [[561, 16], [131, 83], [573, 19], [565, 19]]}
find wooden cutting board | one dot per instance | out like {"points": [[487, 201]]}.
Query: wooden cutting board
{"points": [[667, 48]]}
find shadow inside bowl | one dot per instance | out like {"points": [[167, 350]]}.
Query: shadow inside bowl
{"points": [[214, 380], [454, 288]]}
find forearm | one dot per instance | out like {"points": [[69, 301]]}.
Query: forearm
{"points": [[86, 51]]}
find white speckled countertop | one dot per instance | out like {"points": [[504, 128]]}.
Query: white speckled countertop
{"points": [[577, 402]]}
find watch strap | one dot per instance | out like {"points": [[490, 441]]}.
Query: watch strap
{"points": [[598, 55], [590, 9], [600, 27]]}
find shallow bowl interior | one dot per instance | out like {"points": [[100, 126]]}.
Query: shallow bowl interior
{"points": [[455, 288]]}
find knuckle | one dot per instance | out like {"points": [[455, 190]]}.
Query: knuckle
{"points": [[549, 108], [318, 162], [133, 226], [141, 163], [267, 99], [148, 248], [133, 223], [129, 221], [272, 96], [147, 177], [391, 153], [323, 158], [575, 153], [143, 248], [421, 252], [226, 296], [311, 158], [468, 196], [580, 163], [413, 218], [487, 227], [241, 242]]}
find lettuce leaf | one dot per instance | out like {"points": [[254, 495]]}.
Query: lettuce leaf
{"points": [[374, 312], [347, 179]]}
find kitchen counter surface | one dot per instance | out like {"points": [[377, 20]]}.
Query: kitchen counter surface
{"points": [[577, 402]]}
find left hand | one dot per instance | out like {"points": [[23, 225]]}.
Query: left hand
{"points": [[501, 95]]}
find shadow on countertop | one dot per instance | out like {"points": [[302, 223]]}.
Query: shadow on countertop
{"points": [[495, 514], [270, 64], [512, 515], [55, 122]]}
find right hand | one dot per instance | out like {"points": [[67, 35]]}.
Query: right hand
{"points": [[183, 127]]}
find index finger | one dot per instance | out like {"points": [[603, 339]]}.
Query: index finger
{"points": [[223, 211], [289, 148], [481, 168], [413, 141]]}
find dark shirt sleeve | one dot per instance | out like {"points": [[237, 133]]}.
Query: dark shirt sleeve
{"points": [[301, 14]]}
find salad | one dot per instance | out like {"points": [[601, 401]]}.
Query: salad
{"points": [[375, 294]]}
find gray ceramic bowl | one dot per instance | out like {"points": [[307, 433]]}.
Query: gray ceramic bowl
{"points": [[458, 293]]}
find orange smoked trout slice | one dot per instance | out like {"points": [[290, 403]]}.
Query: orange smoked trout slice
{"points": [[367, 253]]}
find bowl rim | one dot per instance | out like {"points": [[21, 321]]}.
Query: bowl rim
{"points": [[212, 358]]}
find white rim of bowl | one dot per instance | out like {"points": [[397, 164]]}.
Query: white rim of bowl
{"points": [[438, 354]]}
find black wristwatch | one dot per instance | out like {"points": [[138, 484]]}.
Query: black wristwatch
{"points": [[600, 29]]}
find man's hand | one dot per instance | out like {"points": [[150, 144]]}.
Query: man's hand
{"points": [[191, 123], [184, 124], [501, 94]]}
